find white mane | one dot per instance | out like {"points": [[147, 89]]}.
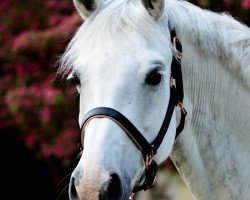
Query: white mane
{"points": [[215, 34]]}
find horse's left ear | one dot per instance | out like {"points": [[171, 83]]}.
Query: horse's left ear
{"points": [[154, 7], [86, 7]]}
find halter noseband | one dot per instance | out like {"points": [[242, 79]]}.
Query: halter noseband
{"points": [[149, 150]]}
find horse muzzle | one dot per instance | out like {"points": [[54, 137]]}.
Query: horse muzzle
{"points": [[112, 189]]}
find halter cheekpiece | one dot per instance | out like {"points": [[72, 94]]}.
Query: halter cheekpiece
{"points": [[149, 150]]}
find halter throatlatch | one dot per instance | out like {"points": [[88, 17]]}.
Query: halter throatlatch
{"points": [[149, 150]]}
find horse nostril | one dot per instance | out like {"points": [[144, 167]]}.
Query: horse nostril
{"points": [[72, 190], [111, 189]]}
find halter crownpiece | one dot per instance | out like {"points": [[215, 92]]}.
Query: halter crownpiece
{"points": [[148, 150]]}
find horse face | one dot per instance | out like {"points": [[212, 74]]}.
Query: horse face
{"points": [[128, 71]]}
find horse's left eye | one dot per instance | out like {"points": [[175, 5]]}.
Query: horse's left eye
{"points": [[76, 80], [153, 78]]}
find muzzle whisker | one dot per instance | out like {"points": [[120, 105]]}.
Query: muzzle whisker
{"points": [[63, 190], [63, 179]]}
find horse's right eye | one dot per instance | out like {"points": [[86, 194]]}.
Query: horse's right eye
{"points": [[153, 78]]}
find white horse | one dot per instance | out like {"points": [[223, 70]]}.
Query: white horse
{"points": [[120, 45]]}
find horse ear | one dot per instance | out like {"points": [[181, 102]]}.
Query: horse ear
{"points": [[86, 7], [154, 7]]}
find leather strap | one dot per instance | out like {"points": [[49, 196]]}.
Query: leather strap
{"points": [[160, 136], [177, 75], [123, 122], [130, 129]]}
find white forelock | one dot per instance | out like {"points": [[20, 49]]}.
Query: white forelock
{"points": [[118, 17]]}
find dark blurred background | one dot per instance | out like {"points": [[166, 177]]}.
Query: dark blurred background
{"points": [[38, 112]]}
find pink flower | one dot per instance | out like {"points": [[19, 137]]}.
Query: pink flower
{"points": [[55, 19], [21, 40], [18, 119], [55, 150], [2, 27], [36, 91], [3, 111], [30, 140], [245, 4], [46, 114], [58, 151], [49, 95], [34, 68], [4, 5], [47, 151], [52, 3], [228, 2], [20, 69]]}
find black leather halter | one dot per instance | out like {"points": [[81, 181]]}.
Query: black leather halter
{"points": [[149, 150]]}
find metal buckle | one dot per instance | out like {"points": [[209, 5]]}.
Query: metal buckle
{"points": [[149, 158], [171, 82], [177, 53], [131, 197], [181, 106]]}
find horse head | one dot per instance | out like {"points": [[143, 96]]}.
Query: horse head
{"points": [[120, 58]]}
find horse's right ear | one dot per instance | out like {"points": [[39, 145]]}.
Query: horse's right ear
{"points": [[86, 7], [154, 7]]}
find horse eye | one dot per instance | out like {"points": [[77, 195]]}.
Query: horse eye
{"points": [[76, 80], [153, 78]]}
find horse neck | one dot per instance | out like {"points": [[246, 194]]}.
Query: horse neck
{"points": [[212, 154]]}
